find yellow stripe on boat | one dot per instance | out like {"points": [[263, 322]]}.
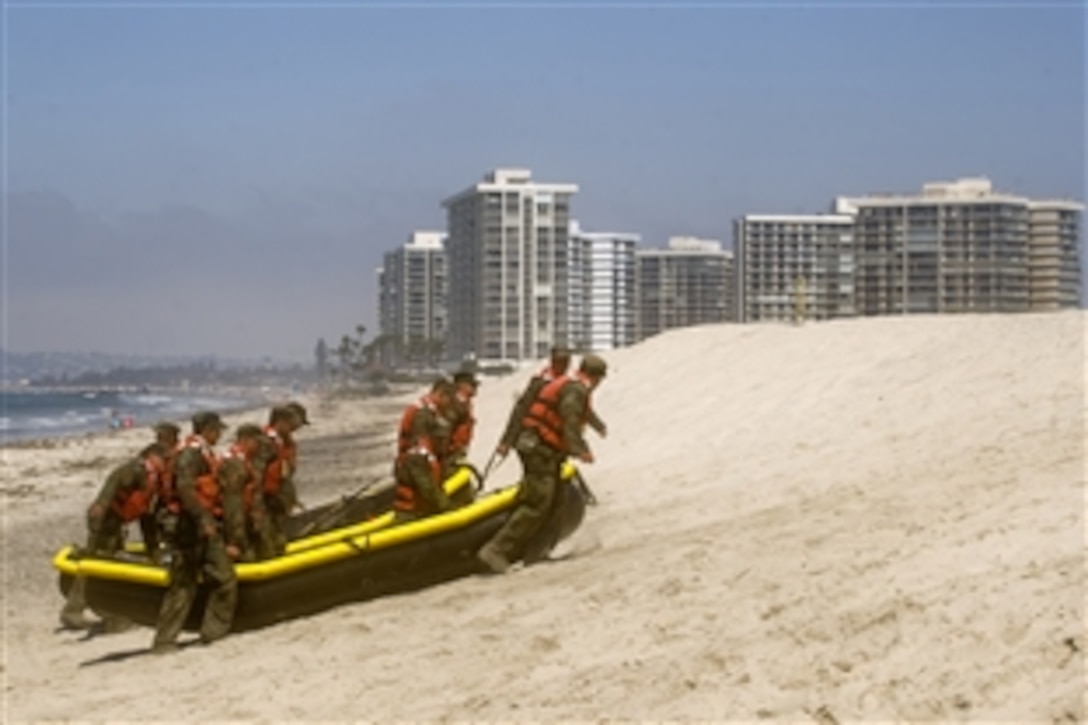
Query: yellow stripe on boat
{"points": [[348, 546], [460, 479]]}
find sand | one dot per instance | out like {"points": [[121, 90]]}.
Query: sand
{"points": [[862, 520]]}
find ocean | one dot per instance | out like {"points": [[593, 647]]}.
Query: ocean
{"points": [[40, 414]]}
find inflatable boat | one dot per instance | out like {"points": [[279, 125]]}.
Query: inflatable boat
{"points": [[349, 550]]}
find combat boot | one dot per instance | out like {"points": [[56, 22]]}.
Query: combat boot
{"points": [[492, 559], [116, 625], [74, 620]]}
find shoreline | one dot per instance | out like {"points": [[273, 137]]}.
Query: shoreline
{"points": [[246, 401]]}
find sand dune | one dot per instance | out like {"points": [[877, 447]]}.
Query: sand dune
{"points": [[879, 519]]}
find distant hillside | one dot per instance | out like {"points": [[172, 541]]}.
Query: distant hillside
{"points": [[94, 366]]}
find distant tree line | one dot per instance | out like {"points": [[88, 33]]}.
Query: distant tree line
{"points": [[384, 358], [203, 373]]}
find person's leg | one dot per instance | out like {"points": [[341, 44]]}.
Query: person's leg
{"points": [[71, 615], [535, 494], [178, 600], [223, 598]]}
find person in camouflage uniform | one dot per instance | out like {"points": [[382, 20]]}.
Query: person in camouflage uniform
{"points": [[241, 484], [167, 434], [462, 423], [558, 364], [275, 465], [128, 494], [557, 367], [302, 419], [198, 552], [422, 442], [550, 432]]}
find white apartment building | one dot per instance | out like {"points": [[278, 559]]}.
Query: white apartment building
{"points": [[412, 298], [960, 246], [689, 283], [602, 306], [509, 266], [1054, 263], [793, 266]]}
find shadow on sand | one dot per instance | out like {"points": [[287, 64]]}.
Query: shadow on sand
{"points": [[130, 653]]}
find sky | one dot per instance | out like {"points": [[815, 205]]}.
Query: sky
{"points": [[224, 178]]}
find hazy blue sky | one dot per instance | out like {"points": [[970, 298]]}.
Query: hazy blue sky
{"points": [[224, 179]]}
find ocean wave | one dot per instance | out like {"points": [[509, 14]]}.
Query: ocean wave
{"points": [[63, 414], [145, 399]]}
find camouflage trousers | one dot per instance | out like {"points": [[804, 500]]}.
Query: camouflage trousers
{"points": [[106, 540], [206, 562], [272, 532], [540, 480]]}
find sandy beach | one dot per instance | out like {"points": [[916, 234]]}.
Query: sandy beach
{"points": [[864, 520]]}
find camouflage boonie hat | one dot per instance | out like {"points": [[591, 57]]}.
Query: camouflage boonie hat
{"points": [[248, 430], [286, 413], [206, 419], [300, 411], [166, 427], [466, 376], [594, 365]]}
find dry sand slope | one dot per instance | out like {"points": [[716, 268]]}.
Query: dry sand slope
{"points": [[859, 520]]}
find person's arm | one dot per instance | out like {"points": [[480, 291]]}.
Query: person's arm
{"points": [[267, 455], [517, 415], [96, 513], [596, 423], [573, 399], [288, 495], [461, 424], [232, 479], [149, 528], [430, 490]]}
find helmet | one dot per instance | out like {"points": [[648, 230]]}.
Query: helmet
{"points": [[594, 365]]}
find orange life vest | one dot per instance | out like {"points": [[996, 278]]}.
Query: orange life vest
{"points": [[543, 415], [249, 489], [549, 374], [281, 466], [461, 436], [404, 436], [207, 486], [130, 504], [166, 480], [405, 496]]}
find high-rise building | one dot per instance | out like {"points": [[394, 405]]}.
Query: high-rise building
{"points": [[689, 283], [791, 267], [413, 290], [1054, 263], [962, 247], [602, 307], [509, 258]]}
